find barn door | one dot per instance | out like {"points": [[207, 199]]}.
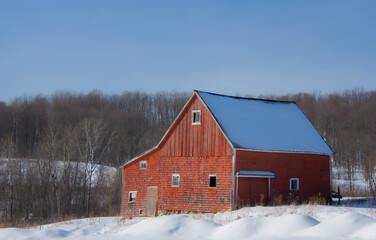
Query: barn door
{"points": [[151, 201], [252, 191]]}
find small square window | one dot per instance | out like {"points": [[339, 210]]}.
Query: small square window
{"points": [[212, 181], [143, 164], [175, 180], [132, 196], [196, 117], [294, 184]]}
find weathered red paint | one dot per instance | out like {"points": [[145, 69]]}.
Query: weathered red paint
{"points": [[313, 171], [197, 151], [252, 191], [194, 152]]}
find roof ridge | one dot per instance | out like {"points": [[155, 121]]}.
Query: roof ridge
{"points": [[246, 98]]}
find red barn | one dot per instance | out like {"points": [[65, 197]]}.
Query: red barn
{"points": [[225, 152]]}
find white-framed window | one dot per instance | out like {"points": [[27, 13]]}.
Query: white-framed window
{"points": [[212, 181], [294, 184], [175, 180], [143, 164], [196, 117], [132, 196]]}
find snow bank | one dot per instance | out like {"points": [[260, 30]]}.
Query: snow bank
{"points": [[318, 212], [169, 227], [346, 225], [261, 227], [248, 223]]}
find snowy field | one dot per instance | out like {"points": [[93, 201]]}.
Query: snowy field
{"points": [[285, 222], [340, 179], [59, 166]]}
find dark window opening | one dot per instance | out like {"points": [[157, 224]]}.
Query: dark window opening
{"points": [[294, 184], [213, 181]]}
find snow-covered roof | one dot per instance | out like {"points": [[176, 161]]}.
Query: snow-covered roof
{"points": [[264, 125]]}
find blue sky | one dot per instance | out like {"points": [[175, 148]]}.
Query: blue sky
{"points": [[230, 47]]}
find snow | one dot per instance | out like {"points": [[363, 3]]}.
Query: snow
{"points": [[265, 125], [282, 222], [255, 173], [340, 179], [348, 224]]}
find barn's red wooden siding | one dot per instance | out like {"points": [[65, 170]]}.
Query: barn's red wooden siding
{"points": [[194, 152], [187, 140], [313, 171], [136, 179]]}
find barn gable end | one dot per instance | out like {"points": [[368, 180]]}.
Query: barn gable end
{"points": [[194, 152], [185, 139]]}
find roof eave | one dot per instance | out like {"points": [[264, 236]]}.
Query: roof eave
{"points": [[139, 156], [176, 119], [164, 136], [284, 151], [332, 152]]}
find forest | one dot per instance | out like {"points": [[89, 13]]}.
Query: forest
{"points": [[54, 149]]}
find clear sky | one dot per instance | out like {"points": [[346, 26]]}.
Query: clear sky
{"points": [[231, 47]]}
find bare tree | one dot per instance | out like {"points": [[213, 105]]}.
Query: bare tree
{"points": [[93, 142], [9, 169]]}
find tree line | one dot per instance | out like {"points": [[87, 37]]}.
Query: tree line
{"points": [[54, 149]]}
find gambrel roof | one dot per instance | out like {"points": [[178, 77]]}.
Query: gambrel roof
{"points": [[264, 125]]}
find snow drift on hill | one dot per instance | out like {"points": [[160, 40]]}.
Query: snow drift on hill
{"points": [[287, 222], [59, 167]]}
